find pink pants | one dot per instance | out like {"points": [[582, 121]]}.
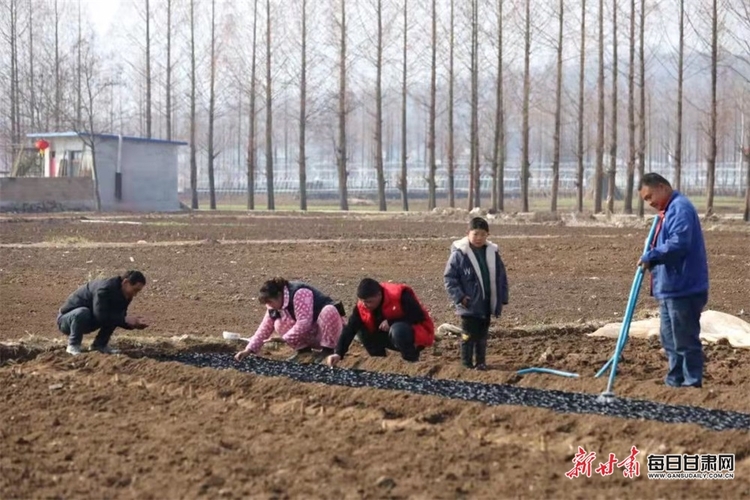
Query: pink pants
{"points": [[325, 332]]}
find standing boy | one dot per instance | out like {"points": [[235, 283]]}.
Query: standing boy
{"points": [[476, 282]]}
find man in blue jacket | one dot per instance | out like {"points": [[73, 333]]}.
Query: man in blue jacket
{"points": [[679, 278]]}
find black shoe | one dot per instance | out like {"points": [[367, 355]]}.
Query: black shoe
{"points": [[481, 367], [320, 356]]}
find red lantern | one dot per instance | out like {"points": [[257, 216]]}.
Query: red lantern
{"points": [[41, 144]]}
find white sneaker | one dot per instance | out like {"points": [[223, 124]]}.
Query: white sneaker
{"points": [[73, 349]]}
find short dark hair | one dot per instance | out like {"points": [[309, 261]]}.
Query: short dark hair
{"points": [[134, 277], [478, 223], [368, 288], [652, 179], [272, 289]]}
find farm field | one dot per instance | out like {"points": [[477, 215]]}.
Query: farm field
{"points": [[132, 426]]}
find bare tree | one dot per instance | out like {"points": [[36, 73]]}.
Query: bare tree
{"points": [[193, 118], [680, 80], [269, 114], [251, 157], [558, 108], [432, 195], [341, 146], [32, 68], [79, 70], [168, 87], [498, 161], [404, 95], [15, 118], [474, 162], [211, 111], [303, 112], [599, 171], [630, 181], [379, 108], [746, 156], [58, 78], [451, 81], [581, 116], [525, 164], [611, 186], [712, 130], [148, 69], [642, 114]]}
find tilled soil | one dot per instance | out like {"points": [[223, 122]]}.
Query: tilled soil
{"points": [[128, 426]]}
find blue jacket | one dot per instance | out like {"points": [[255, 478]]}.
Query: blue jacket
{"points": [[463, 278], [679, 266]]}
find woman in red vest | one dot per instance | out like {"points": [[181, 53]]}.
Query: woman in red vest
{"points": [[387, 316]]}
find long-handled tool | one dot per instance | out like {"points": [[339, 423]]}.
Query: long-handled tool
{"points": [[622, 338]]}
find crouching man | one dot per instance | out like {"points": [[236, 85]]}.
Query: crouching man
{"points": [[100, 304], [387, 316]]}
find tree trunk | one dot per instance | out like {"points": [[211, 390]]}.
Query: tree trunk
{"points": [[611, 185], [169, 70], [193, 118], [498, 156], [581, 81], [680, 81], [558, 110], [58, 80], [148, 71], [211, 111], [711, 173], [32, 90], [642, 118], [341, 147], [432, 165], [379, 110], [303, 113], [746, 156], [525, 164], [269, 114], [451, 146], [251, 156], [599, 172], [475, 197], [629, 185], [79, 102], [14, 98], [404, 125]]}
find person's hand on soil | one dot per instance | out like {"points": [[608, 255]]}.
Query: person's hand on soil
{"points": [[384, 326], [465, 301], [333, 360], [141, 323], [132, 321], [242, 355]]}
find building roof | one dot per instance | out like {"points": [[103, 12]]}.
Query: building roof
{"points": [[42, 135]]}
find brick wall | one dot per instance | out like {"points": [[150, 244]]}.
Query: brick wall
{"points": [[46, 194]]}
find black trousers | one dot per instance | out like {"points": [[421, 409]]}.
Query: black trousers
{"points": [[78, 322], [399, 338], [474, 340]]}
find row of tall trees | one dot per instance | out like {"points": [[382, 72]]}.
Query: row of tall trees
{"points": [[480, 85]]}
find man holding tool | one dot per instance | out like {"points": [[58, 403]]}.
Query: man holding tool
{"points": [[679, 278]]}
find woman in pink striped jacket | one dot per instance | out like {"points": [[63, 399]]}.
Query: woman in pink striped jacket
{"points": [[304, 316]]}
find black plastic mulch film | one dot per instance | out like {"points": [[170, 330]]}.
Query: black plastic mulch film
{"points": [[489, 394]]}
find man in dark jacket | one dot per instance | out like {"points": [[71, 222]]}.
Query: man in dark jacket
{"points": [[100, 304], [679, 273], [477, 284], [387, 316]]}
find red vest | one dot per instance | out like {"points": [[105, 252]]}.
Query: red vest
{"points": [[424, 332]]}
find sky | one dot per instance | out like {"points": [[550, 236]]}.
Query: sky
{"points": [[101, 13]]}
